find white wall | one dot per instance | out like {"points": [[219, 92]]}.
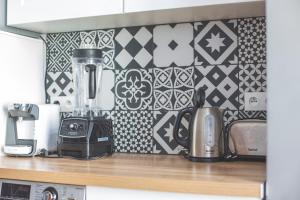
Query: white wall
{"points": [[21, 73], [283, 58]]}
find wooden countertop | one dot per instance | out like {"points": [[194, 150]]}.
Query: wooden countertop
{"points": [[149, 172]]}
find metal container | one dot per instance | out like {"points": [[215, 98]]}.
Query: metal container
{"points": [[205, 141], [247, 138]]}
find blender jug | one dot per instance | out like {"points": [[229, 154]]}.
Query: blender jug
{"points": [[87, 77]]}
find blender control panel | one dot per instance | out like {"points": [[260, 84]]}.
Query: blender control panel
{"points": [[74, 127], [25, 190]]}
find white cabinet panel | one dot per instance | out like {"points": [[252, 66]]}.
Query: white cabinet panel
{"points": [[93, 193], [28, 11], [147, 5]]}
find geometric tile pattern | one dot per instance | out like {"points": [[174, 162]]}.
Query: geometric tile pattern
{"points": [[163, 141], [60, 47], [220, 83], [134, 47], [151, 73], [173, 45], [173, 88], [133, 131], [215, 42], [252, 78], [252, 40]]}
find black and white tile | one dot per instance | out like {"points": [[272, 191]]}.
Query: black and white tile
{"points": [[183, 87], [163, 88], [106, 39], [173, 45], [59, 83], [252, 115], [230, 116], [252, 78], [173, 88], [133, 89], [216, 42], [163, 141], [151, 72], [252, 40], [88, 40], [106, 43], [60, 48], [134, 46], [133, 131], [221, 85]]}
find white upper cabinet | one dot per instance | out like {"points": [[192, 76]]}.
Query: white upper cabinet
{"points": [[52, 16], [30, 11], [149, 5]]}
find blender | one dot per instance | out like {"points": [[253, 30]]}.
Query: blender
{"points": [[86, 134]]}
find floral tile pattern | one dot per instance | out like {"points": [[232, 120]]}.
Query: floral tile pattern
{"points": [[133, 89], [151, 73]]}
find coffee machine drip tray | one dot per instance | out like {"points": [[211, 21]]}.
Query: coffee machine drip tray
{"points": [[85, 138]]}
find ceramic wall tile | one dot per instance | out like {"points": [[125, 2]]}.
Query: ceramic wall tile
{"points": [[133, 131], [59, 50], [173, 88], [152, 72], [221, 85], [252, 78], [252, 115], [59, 83], [252, 40], [133, 89], [173, 45], [134, 46], [163, 141], [216, 42]]}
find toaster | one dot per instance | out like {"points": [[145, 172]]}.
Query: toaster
{"points": [[246, 139]]}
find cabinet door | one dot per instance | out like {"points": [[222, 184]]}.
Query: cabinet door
{"points": [[28, 11], [147, 5]]}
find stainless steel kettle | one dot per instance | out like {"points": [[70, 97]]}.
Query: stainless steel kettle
{"points": [[205, 141]]}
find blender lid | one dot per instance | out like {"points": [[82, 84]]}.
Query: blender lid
{"points": [[87, 53]]}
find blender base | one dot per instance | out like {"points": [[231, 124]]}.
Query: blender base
{"points": [[85, 138]]}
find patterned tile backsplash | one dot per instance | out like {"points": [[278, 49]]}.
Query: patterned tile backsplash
{"points": [[151, 73]]}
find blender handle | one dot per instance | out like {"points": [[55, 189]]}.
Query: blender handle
{"points": [[91, 69], [181, 141]]}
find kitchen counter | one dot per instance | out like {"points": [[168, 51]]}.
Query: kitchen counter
{"points": [[147, 172]]}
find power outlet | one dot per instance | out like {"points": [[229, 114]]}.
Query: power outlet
{"points": [[255, 101], [66, 103]]}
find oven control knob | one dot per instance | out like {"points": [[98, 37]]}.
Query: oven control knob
{"points": [[50, 194], [73, 126]]}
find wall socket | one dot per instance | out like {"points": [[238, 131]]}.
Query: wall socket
{"points": [[255, 101], [66, 102]]}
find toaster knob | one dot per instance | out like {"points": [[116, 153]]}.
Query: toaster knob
{"points": [[50, 194], [73, 126]]}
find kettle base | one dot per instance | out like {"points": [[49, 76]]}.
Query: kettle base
{"points": [[202, 159]]}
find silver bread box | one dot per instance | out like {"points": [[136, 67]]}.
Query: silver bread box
{"points": [[247, 139]]}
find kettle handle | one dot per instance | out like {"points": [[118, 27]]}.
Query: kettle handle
{"points": [[180, 141]]}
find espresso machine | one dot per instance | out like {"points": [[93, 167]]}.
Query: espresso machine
{"points": [[86, 134]]}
